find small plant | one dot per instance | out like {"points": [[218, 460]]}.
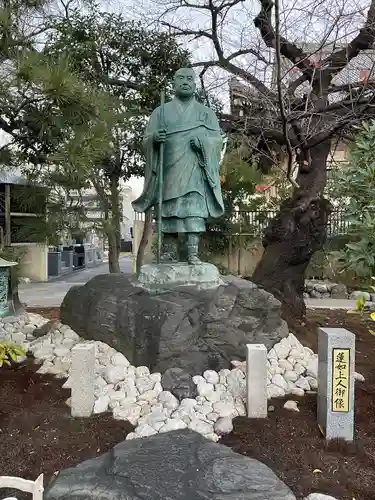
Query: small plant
{"points": [[10, 352], [360, 306]]}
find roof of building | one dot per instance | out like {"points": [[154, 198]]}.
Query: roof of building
{"points": [[8, 178]]}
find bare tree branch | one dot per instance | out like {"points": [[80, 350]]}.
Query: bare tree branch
{"points": [[280, 96]]}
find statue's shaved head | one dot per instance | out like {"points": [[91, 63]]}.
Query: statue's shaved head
{"points": [[185, 71], [184, 83]]}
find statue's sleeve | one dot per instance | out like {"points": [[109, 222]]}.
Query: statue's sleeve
{"points": [[215, 138]]}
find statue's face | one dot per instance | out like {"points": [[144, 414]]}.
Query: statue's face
{"points": [[184, 82]]}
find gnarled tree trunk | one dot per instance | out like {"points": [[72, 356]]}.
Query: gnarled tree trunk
{"points": [[294, 235]]}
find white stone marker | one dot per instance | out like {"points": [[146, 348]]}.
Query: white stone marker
{"points": [[336, 358], [83, 380], [256, 380]]}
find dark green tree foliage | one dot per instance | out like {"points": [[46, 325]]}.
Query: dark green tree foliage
{"points": [[132, 64], [353, 187]]}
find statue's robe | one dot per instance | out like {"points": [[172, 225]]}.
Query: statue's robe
{"points": [[191, 179]]}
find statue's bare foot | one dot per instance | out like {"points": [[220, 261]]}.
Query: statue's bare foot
{"points": [[168, 259], [194, 260]]}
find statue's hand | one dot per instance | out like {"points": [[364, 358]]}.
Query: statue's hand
{"points": [[195, 144], [160, 136]]}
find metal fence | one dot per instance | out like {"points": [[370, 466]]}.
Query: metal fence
{"points": [[255, 222]]}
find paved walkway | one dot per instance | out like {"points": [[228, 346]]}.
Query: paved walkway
{"points": [[330, 304], [51, 294]]}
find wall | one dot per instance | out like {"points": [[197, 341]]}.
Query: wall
{"points": [[34, 264], [237, 260]]}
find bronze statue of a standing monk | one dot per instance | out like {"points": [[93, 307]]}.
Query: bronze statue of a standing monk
{"points": [[192, 149]]}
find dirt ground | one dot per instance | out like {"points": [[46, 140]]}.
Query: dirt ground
{"points": [[290, 443], [38, 435]]}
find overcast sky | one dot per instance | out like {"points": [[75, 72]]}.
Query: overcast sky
{"points": [[307, 20]]}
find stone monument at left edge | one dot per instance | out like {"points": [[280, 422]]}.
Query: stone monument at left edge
{"points": [[191, 192]]}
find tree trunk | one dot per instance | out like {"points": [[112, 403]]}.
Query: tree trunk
{"points": [[113, 254], [146, 235], [294, 235], [114, 235]]}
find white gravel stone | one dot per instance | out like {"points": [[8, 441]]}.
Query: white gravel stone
{"points": [[282, 349], [212, 437], [296, 353], [137, 396], [114, 374], [224, 409], [291, 360], [239, 406], [299, 369], [144, 384], [68, 383], [116, 395], [279, 381], [284, 363], [131, 435], [201, 426], [149, 396], [198, 379], [214, 396], [223, 426], [237, 383], [303, 383], [145, 430], [359, 377], [291, 405], [223, 374], [312, 367], [168, 400], [119, 359], [312, 382], [173, 424], [272, 354], [129, 413], [45, 368], [274, 391], [128, 401], [142, 371], [211, 376], [204, 388], [297, 391], [212, 417], [227, 397], [290, 376], [158, 425], [320, 496], [156, 377], [188, 404], [155, 416], [101, 404], [158, 388]]}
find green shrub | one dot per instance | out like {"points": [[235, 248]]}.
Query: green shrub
{"points": [[10, 352]]}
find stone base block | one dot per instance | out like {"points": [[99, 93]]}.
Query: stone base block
{"points": [[163, 276]]}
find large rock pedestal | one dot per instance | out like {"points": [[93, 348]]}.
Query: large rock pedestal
{"points": [[178, 465], [183, 327]]}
